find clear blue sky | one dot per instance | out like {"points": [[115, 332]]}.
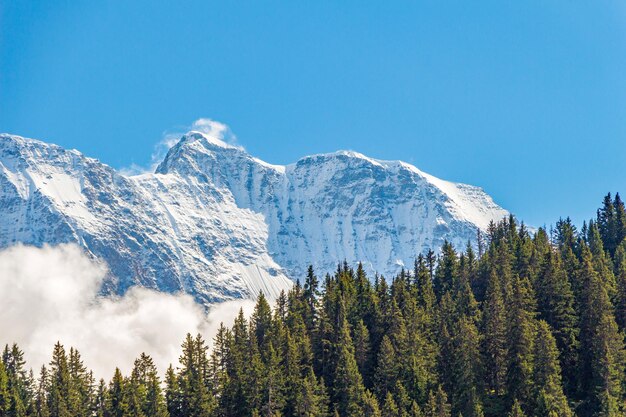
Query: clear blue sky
{"points": [[524, 98]]}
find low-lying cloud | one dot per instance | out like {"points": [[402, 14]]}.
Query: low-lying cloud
{"points": [[51, 294]]}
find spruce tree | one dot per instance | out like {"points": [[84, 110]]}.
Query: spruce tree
{"points": [[5, 398], [117, 405], [556, 304], [437, 405], [362, 349], [550, 399], [100, 402], [601, 260], [521, 336], [465, 385], [19, 382], [348, 386], [387, 369], [602, 346], [607, 224], [81, 383], [424, 284], [370, 405], [196, 397], [495, 343], [620, 278], [41, 400], [447, 270], [173, 396], [310, 399], [516, 410], [261, 321], [147, 385], [620, 220], [390, 408], [59, 384]]}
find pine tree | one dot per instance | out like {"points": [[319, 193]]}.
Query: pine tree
{"points": [[447, 270], [387, 369], [81, 382], [556, 306], [362, 349], [418, 367], [254, 382], [390, 408], [273, 396], [370, 405], [516, 410], [146, 383], [602, 351], [310, 296], [547, 376], [607, 224], [466, 366], [219, 358], [415, 410], [620, 220], [116, 401], [424, 284], [521, 336], [100, 402], [437, 405], [601, 260], [59, 383], [494, 344], [348, 386], [233, 399], [311, 399], [261, 321], [172, 393], [19, 383], [196, 397], [620, 278], [41, 400], [5, 398]]}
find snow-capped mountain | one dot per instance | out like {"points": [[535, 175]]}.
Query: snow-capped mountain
{"points": [[220, 224]]}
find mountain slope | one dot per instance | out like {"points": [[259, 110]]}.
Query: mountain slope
{"points": [[218, 223]]}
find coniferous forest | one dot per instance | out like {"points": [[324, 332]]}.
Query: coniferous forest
{"points": [[521, 323]]}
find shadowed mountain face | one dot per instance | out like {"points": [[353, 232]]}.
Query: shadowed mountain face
{"points": [[220, 224]]}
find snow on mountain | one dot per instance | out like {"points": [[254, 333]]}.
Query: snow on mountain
{"points": [[220, 224]]}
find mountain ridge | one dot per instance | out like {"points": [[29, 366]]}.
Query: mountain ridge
{"points": [[215, 221]]}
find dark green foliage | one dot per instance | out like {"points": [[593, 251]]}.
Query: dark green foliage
{"points": [[601, 353], [494, 344], [516, 410], [348, 389], [556, 306], [437, 405], [548, 391], [530, 325], [447, 270], [59, 384]]}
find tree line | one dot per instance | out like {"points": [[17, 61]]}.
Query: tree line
{"points": [[518, 324]]}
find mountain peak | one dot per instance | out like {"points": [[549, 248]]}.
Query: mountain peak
{"points": [[207, 139], [223, 224]]}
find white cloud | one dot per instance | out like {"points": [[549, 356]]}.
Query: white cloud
{"points": [[209, 127], [51, 294], [215, 130]]}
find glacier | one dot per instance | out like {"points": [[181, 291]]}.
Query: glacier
{"points": [[220, 224]]}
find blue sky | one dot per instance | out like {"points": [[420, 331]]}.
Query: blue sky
{"points": [[524, 98]]}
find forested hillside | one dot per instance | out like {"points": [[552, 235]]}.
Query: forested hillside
{"points": [[520, 324]]}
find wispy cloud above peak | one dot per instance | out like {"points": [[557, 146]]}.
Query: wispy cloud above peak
{"points": [[212, 129]]}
